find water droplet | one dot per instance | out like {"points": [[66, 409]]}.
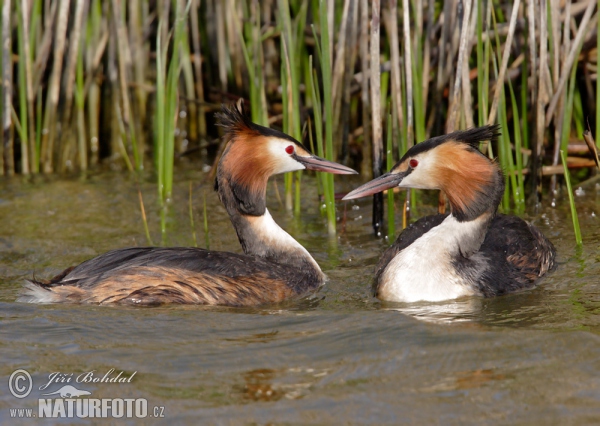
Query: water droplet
{"points": [[579, 192], [176, 132], [182, 114], [355, 207], [44, 131]]}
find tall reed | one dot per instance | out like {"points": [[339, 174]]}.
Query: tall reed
{"points": [[82, 81]]}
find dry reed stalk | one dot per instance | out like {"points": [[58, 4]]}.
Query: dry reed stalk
{"points": [[453, 115], [124, 66], [197, 61], [28, 153], [339, 69], [236, 58], [560, 110], [94, 122], [504, 65], [395, 64], [364, 84], [139, 51], [74, 46], [555, 33], [331, 25], [49, 129], [221, 48], [427, 52], [541, 101], [589, 140], [349, 61], [375, 77], [566, 70], [531, 31], [7, 164], [43, 50], [408, 72]]}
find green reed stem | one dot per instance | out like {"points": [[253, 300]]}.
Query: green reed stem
{"points": [[576, 229], [317, 108], [144, 218], [191, 212], [205, 219], [391, 214], [324, 52], [520, 187]]}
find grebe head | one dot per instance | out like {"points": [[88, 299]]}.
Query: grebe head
{"points": [[255, 152], [452, 163]]}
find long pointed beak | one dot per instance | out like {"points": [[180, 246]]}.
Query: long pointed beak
{"points": [[321, 165], [383, 182]]}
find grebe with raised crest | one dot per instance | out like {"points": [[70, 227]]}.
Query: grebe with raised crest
{"points": [[471, 251], [273, 268]]}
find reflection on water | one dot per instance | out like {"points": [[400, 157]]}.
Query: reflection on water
{"points": [[465, 310], [337, 357]]}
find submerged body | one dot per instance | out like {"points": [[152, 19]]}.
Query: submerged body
{"points": [[273, 268], [472, 251]]}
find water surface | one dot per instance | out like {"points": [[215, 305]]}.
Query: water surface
{"points": [[338, 357]]}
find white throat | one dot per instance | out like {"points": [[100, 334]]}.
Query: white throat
{"points": [[424, 270], [276, 239]]}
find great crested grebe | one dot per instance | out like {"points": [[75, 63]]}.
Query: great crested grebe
{"points": [[274, 267], [471, 251]]}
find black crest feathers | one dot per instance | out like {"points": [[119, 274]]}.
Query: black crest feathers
{"points": [[236, 121], [471, 137], [234, 118]]}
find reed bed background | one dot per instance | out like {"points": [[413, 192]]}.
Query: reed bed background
{"points": [[135, 83]]}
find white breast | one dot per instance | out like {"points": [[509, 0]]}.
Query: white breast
{"points": [[423, 270]]}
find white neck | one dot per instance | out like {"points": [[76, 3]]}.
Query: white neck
{"points": [[265, 238], [424, 270]]}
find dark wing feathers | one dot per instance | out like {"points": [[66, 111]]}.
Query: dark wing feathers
{"points": [[190, 259], [517, 253], [156, 275]]}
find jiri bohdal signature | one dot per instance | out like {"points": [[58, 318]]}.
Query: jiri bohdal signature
{"points": [[89, 377]]}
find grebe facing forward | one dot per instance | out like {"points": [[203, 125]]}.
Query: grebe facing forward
{"points": [[471, 251], [274, 267]]}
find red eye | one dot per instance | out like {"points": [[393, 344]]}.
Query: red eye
{"points": [[289, 149], [413, 163]]}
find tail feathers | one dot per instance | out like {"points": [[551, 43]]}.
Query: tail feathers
{"points": [[36, 292]]}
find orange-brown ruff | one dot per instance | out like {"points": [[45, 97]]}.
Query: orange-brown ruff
{"points": [[472, 251], [273, 268]]}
